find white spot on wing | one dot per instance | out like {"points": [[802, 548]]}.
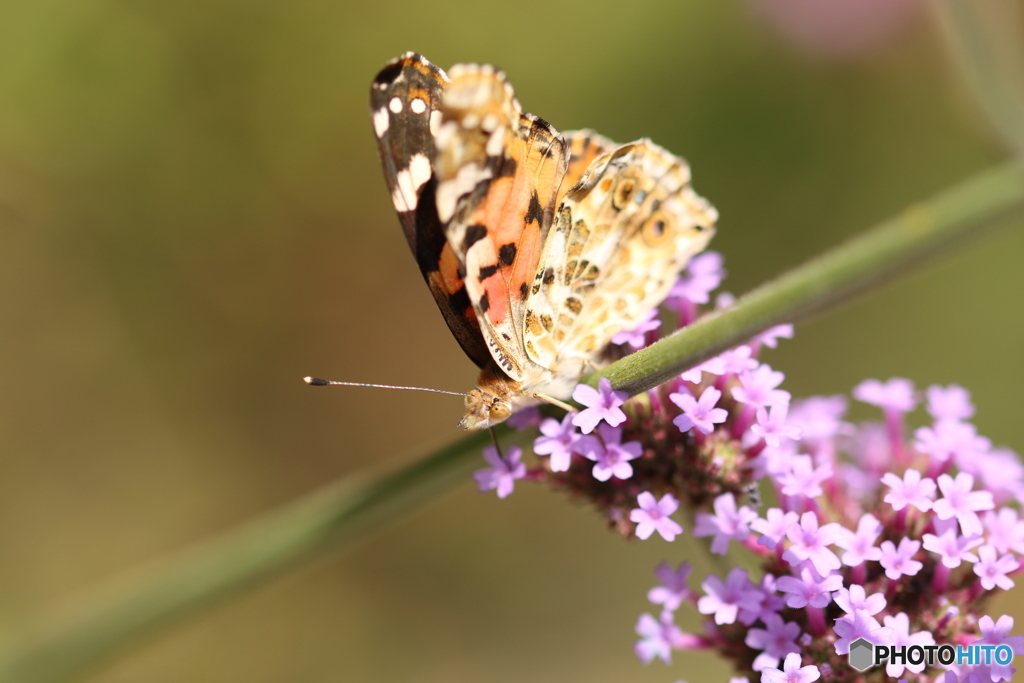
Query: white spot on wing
{"points": [[381, 119], [408, 181], [496, 142], [444, 134], [419, 170], [418, 106], [449, 192], [395, 105], [435, 122]]}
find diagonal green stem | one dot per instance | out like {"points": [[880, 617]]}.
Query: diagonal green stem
{"points": [[112, 620], [893, 247], [156, 597]]}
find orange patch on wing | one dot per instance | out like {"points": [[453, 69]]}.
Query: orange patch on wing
{"points": [[448, 267]]}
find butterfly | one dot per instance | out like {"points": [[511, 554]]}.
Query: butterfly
{"points": [[538, 246]]}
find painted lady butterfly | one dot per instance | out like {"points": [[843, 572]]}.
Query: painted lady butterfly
{"points": [[537, 246]]}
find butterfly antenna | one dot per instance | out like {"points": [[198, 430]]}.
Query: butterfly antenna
{"points": [[317, 382]]}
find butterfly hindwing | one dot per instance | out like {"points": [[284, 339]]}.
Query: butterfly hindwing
{"points": [[584, 147], [619, 238], [405, 100]]}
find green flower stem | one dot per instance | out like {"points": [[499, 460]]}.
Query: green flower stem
{"points": [[114, 619], [891, 248]]}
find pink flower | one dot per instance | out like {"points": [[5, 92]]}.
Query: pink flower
{"points": [[602, 404], [502, 473], [726, 524], [653, 516], [896, 394], [701, 414], [791, 672]]}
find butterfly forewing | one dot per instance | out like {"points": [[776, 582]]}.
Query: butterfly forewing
{"points": [[404, 103], [498, 174]]}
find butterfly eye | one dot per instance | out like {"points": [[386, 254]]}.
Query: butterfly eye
{"points": [[658, 228], [500, 411]]}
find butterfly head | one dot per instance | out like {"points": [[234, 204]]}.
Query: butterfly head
{"points": [[491, 402], [485, 409]]}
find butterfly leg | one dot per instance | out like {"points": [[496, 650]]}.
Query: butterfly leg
{"points": [[497, 446], [555, 402]]}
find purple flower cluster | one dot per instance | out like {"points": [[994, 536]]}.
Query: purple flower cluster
{"points": [[868, 534]]}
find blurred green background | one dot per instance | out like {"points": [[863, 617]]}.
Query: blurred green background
{"points": [[193, 218]]}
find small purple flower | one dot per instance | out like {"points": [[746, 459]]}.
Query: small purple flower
{"points": [[602, 404], [860, 546], [771, 601], [735, 361], [899, 561], [808, 589], [637, 337], [997, 633], [611, 458], [1001, 472], [950, 403], [726, 524], [774, 462], [820, 417], [860, 624], [714, 366], [961, 502], [910, 490], [896, 394], [854, 598], [1005, 530], [673, 589], [810, 542], [558, 441], [726, 599], [791, 672], [993, 570], [701, 414], [951, 547], [870, 447], [757, 387], [703, 275], [502, 473], [772, 335], [900, 625], [771, 425], [948, 439], [525, 418], [657, 637], [774, 526], [777, 639], [803, 478], [653, 516]]}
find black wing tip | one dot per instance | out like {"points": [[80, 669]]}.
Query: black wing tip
{"points": [[394, 68]]}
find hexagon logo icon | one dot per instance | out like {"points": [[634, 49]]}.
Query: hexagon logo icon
{"points": [[862, 654]]}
